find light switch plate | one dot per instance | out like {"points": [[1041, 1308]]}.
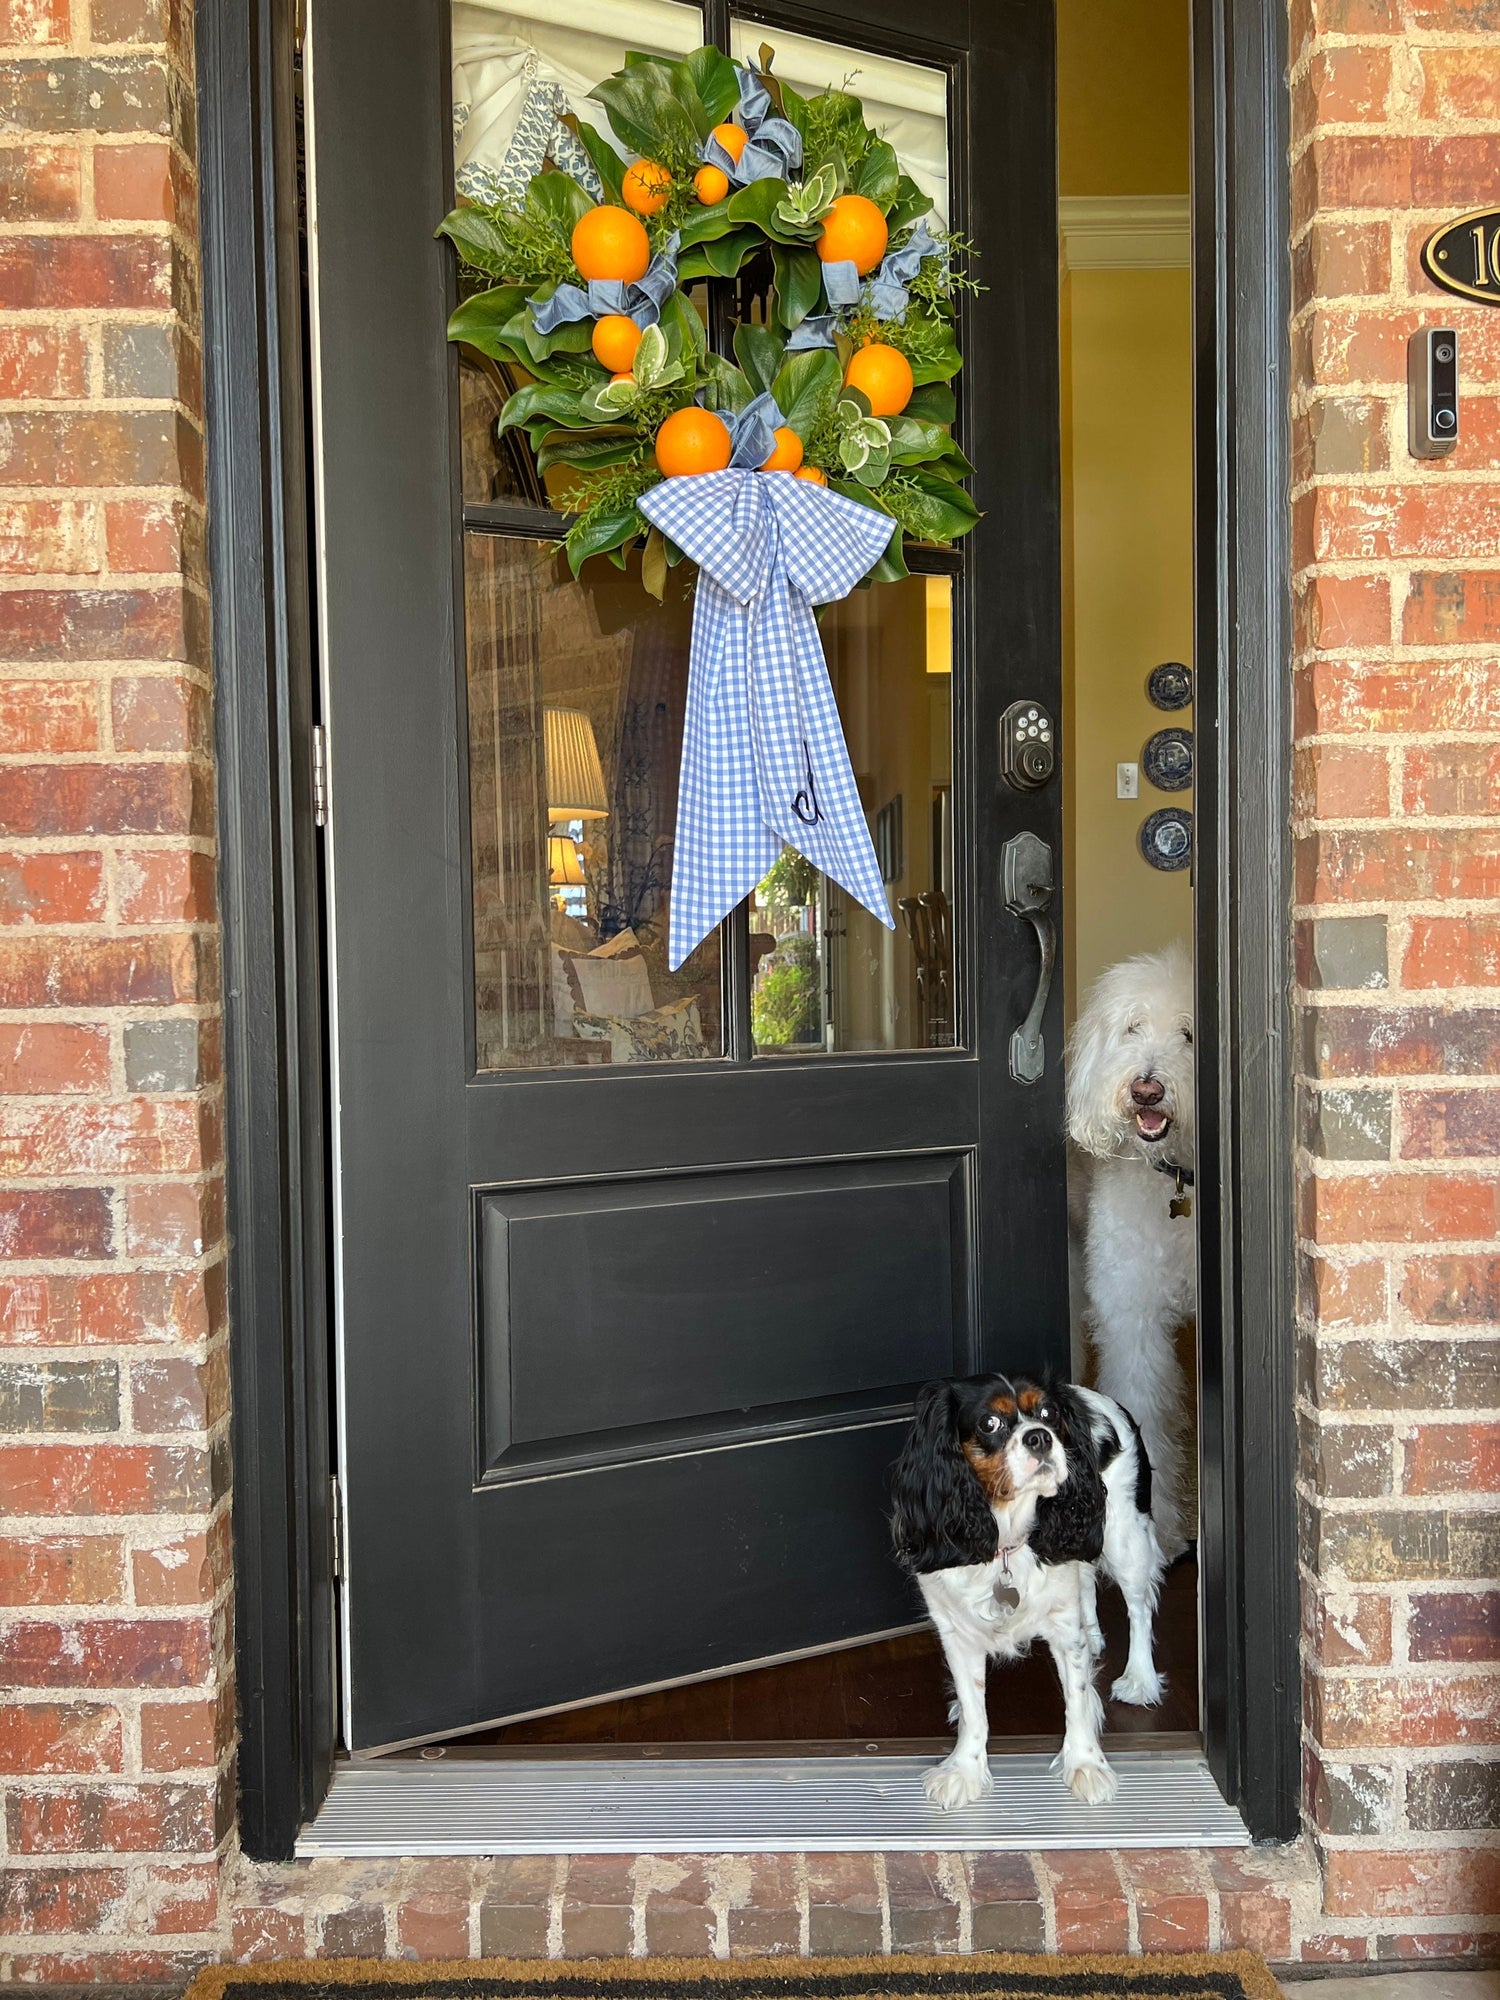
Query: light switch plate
{"points": [[1127, 781]]}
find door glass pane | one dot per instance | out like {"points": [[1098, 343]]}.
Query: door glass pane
{"points": [[906, 103], [518, 70], [575, 695], [827, 975]]}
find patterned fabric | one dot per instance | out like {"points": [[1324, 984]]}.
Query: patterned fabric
{"points": [[539, 136], [611, 979], [764, 762], [667, 1034]]}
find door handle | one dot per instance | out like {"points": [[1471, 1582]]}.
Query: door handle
{"points": [[1028, 893]]}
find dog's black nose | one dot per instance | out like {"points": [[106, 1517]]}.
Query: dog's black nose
{"points": [[1038, 1443], [1146, 1091]]}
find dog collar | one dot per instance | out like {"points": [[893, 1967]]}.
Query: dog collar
{"points": [[1005, 1552], [1182, 1202]]}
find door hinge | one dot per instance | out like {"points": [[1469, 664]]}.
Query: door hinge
{"points": [[320, 775], [336, 1530], [299, 25]]}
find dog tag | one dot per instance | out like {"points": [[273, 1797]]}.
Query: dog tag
{"points": [[1007, 1597], [1180, 1204]]}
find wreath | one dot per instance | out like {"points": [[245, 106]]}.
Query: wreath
{"points": [[574, 296]]}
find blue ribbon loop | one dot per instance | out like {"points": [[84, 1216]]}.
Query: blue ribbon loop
{"points": [[773, 145], [888, 292], [753, 432], [641, 300], [764, 762]]}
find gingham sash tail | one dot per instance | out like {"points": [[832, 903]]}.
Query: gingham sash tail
{"points": [[764, 760]]}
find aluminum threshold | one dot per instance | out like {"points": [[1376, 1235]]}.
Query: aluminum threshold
{"points": [[805, 1805]]}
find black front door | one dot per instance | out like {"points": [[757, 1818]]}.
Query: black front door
{"points": [[638, 1268]]}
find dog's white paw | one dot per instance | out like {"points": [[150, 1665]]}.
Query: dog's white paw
{"points": [[957, 1781], [1091, 1780], [1141, 1690], [1096, 1641]]}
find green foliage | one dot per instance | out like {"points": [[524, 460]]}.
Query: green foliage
{"points": [[784, 1007], [791, 883]]}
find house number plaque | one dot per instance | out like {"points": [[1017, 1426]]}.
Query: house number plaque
{"points": [[1464, 256]]}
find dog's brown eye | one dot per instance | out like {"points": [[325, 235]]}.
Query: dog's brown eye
{"points": [[990, 1424]]}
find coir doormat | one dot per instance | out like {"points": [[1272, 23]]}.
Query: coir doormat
{"points": [[1230, 1975]]}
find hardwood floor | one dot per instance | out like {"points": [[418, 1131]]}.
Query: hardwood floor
{"points": [[892, 1692]]}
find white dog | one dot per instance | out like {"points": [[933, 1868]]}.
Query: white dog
{"points": [[1130, 1110]]}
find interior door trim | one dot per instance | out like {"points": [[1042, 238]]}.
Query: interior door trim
{"points": [[269, 901]]}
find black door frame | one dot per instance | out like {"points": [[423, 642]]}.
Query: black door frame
{"points": [[263, 622]]}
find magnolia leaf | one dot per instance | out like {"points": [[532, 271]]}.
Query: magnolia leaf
{"points": [[557, 198], [794, 108], [805, 385], [483, 320], [879, 177], [933, 403], [588, 451], [913, 441], [728, 388], [720, 258], [704, 227], [538, 400], [910, 202], [605, 161], [606, 531], [937, 358], [799, 283], [759, 352], [645, 112], [714, 79], [654, 564], [684, 331], [480, 241]]}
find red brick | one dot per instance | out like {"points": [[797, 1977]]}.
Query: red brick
{"points": [[258, 1936], [1381, 698], [143, 537], [98, 448], [172, 886], [1407, 1710], [1455, 1625], [48, 717], [175, 1572], [42, 799], [1341, 1294], [48, 1738], [1453, 1458], [1452, 1291], [102, 1478], [1457, 778], [1397, 864], [1367, 523], [140, 624], [170, 1220], [1349, 1629], [1450, 1125], [159, 712], [61, 1569], [134, 182], [1092, 1911], [1459, 83], [107, 1653], [1359, 170], [1340, 781], [49, 537], [43, 362], [1339, 258], [52, 1057], [179, 1736], [63, 273], [40, 184], [173, 1969], [1254, 1911], [1400, 1208], [39, 889], [764, 1918], [1452, 951], [33, 23], [179, 1393], [104, 972], [922, 1892], [1343, 86], [1461, 168], [112, 1819], [1347, 611], [1443, 1882], [116, 1309], [1329, 1948], [62, 1222], [54, 1902], [1171, 1899], [183, 1900], [1425, 1945], [138, 1135], [1445, 608], [597, 1901]]}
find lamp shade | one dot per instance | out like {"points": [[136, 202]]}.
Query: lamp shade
{"points": [[575, 777], [564, 864]]}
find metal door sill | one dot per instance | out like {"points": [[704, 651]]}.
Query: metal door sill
{"points": [[754, 1805]]}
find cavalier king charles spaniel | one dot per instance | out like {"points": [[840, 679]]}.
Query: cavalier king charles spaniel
{"points": [[1010, 1496]]}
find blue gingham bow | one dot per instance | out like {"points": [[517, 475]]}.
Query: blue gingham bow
{"points": [[773, 146], [641, 300], [764, 762]]}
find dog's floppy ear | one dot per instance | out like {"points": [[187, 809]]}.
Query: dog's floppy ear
{"points": [[1070, 1525], [941, 1518]]}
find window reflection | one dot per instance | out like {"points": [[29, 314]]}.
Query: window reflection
{"points": [[828, 976]]}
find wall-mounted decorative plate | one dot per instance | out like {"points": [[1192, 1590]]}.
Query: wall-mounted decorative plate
{"points": [[1167, 760], [1170, 685], [1167, 838]]}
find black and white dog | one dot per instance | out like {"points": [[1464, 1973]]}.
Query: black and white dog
{"points": [[1009, 1497]]}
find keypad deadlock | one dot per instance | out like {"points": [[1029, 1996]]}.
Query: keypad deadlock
{"points": [[1028, 746]]}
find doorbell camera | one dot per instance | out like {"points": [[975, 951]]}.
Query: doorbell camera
{"points": [[1432, 392]]}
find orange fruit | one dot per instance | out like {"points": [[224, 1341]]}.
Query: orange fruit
{"points": [[884, 374], [712, 184], [610, 242], [853, 230], [788, 453], [731, 138], [623, 376], [692, 440], [811, 474], [615, 339], [646, 186]]}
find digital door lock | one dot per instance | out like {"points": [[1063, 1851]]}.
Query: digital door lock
{"points": [[1028, 746]]}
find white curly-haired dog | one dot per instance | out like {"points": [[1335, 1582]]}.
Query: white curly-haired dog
{"points": [[1130, 1111]]}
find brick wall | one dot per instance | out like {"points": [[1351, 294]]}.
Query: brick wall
{"points": [[114, 1586], [114, 1647], [1397, 128]]}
